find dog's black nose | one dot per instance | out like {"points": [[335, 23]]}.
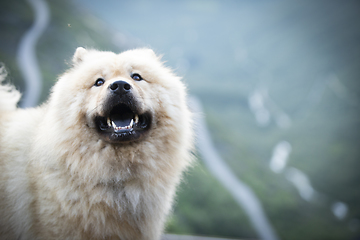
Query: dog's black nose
{"points": [[120, 87]]}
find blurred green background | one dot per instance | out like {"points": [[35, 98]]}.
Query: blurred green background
{"points": [[267, 72]]}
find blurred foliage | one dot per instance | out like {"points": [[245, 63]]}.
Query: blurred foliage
{"points": [[204, 207], [324, 134]]}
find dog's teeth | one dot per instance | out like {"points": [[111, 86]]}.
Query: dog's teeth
{"points": [[113, 125], [136, 118], [109, 122], [116, 128]]}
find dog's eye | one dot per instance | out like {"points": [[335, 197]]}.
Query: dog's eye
{"points": [[136, 77], [99, 82]]}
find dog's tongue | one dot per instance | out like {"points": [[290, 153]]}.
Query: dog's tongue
{"points": [[122, 120]]}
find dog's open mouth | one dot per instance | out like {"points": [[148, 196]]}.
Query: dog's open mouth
{"points": [[122, 124]]}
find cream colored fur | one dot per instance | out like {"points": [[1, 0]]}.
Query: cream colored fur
{"points": [[60, 180]]}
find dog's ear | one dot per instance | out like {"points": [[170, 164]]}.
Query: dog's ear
{"points": [[79, 55], [151, 53]]}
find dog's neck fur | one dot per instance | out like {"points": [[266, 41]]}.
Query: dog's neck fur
{"points": [[103, 181]]}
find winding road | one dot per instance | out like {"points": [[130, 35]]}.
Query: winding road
{"points": [[26, 55], [242, 193]]}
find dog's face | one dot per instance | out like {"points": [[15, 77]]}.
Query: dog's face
{"points": [[120, 96]]}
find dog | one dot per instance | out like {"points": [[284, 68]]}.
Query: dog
{"points": [[102, 157]]}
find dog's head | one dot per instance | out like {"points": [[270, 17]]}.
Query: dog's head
{"points": [[122, 97]]}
